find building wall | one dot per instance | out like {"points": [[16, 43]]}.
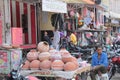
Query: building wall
{"points": [[6, 22], [115, 6], [1, 21], [45, 20], [18, 9]]}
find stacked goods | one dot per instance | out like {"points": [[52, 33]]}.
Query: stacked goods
{"points": [[55, 55], [50, 59], [43, 46], [35, 64], [26, 65], [44, 56], [57, 65], [32, 55], [70, 66], [46, 64]]}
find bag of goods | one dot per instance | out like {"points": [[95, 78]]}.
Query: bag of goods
{"points": [[57, 65], [43, 46], [26, 65], [70, 66], [32, 55], [83, 63], [45, 65], [44, 56], [35, 64]]}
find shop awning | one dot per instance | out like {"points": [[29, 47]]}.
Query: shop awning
{"points": [[79, 1], [67, 1], [111, 14], [29, 1]]}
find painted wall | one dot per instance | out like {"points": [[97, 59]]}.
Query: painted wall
{"points": [[23, 15], [45, 21], [6, 18], [1, 21], [114, 6]]}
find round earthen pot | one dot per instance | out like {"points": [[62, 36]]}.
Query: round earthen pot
{"points": [[35, 64], [26, 65], [43, 46], [32, 55], [45, 65], [70, 66], [44, 56], [57, 65]]}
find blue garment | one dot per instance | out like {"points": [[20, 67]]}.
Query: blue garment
{"points": [[102, 61]]}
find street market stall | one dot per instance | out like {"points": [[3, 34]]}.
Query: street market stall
{"points": [[56, 74], [48, 62]]}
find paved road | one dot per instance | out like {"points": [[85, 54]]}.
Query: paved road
{"points": [[116, 77]]}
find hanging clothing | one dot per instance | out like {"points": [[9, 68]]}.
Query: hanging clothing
{"points": [[57, 20], [56, 40]]}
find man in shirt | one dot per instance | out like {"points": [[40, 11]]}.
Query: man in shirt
{"points": [[99, 63]]}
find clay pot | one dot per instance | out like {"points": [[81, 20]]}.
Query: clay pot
{"points": [[26, 65], [66, 57], [43, 46], [57, 65], [46, 64], [52, 51], [44, 56], [63, 51], [35, 64], [76, 63], [73, 59], [70, 66], [56, 56], [32, 55]]}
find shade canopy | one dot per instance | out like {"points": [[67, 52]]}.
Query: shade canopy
{"points": [[111, 14], [67, 1], [79, 1]]}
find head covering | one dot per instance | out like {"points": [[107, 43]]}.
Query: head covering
{"points": [[61, 34]]}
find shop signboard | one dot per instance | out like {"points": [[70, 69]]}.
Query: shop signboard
{"points": [[105, 4], [16, 56], [9, 59], [54, 6], [17, 38], [4, 61]]}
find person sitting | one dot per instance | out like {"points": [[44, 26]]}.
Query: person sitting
{"points": [[99, 63]]}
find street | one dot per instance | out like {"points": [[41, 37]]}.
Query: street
{"points": [[116, 77]]}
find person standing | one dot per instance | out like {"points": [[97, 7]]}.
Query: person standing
{"points": [[56, 39], [99, 63], [47, 38]]}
